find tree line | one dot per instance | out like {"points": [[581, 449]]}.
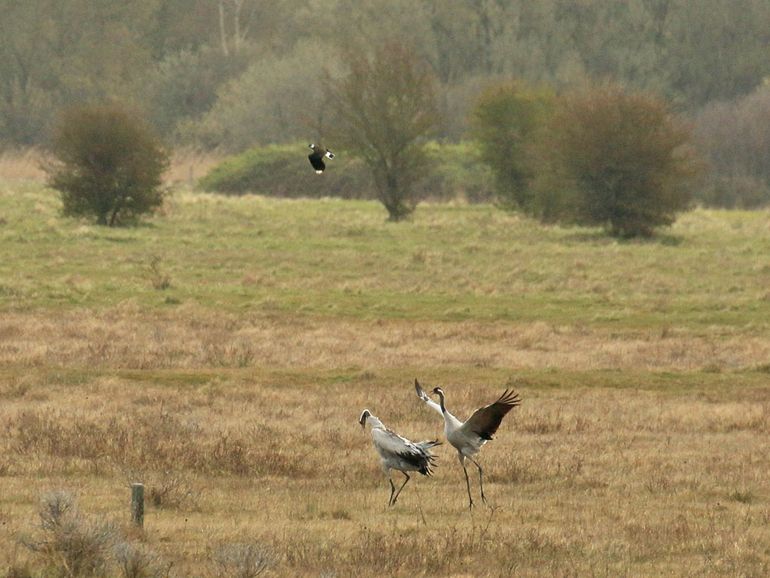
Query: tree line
{"points": [[232, 74], [235, 73], [601, 156]]}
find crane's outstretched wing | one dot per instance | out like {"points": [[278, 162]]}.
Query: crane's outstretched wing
{"points": [[485, 421], [426, 398]]}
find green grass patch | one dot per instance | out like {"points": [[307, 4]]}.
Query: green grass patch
{"points": [[342, 259]]}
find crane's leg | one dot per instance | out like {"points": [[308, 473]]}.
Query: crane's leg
{"points": [[401, 488], [467, 481], [392, 490], [481, 480]]}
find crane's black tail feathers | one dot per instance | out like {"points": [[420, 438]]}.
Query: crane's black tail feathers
{"points": [[429, 461]]}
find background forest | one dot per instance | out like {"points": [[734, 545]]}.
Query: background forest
{"points": [[231, 74]]}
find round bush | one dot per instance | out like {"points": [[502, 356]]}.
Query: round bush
{"points": [[109, 164]]}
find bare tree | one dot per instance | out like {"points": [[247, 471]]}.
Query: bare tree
{"points": [[231, 40], [382, 109], [223, 28]]}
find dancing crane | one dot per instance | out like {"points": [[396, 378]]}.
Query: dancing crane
{"points": [[398, 453], [468, 437]]}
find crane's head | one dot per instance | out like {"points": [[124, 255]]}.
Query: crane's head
{"points": [[362, 420], [438, 391]]}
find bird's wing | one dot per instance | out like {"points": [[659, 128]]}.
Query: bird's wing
{"points": [[485, 420], [426, 398], [316, 159], [390, 443]]}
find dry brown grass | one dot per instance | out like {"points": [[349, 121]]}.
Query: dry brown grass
{"points": [[190, 337], [660, 479], [187, 166], [21, 165]]}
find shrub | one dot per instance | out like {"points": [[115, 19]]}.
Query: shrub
{"points": [[455, 171], [71, 545], [242, 560], [283, 171], [137, 561], [505, 120], [616, 160], [108, 164]]}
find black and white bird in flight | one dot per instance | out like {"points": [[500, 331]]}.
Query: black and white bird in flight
{"points": [[317, 157]]}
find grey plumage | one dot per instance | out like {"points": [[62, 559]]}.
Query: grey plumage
{"points": [[468, 437], [398, 453]]}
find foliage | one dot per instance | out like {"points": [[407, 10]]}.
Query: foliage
{"points": [[735, 138], [382, 109], [43, 66], [454, 172], [171, 57], [138, 561], [506, 120], [272, 101], [710, 49], [284, 171], [617, 160], [108, 165], [243, 560], [185, 84], [71, 544]]}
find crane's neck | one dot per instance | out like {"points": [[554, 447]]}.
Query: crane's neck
{"points": [[375, 422], [441, 401], [451, 423]]}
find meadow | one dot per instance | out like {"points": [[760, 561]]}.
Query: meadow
{"points": [[223, 351]]}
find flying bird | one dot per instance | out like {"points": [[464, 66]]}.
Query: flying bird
{"points": [[398, 453], [317, 157], [468, 437]]}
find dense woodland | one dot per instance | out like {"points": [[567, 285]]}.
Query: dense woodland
{"points": [[230, 74]]}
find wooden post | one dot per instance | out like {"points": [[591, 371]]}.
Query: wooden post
{"points": [[137, 504]]}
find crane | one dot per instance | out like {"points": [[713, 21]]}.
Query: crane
{"points": [[468, 437], [398, 453]]}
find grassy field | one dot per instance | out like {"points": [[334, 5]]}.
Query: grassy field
{"points": [[223, 352]]}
